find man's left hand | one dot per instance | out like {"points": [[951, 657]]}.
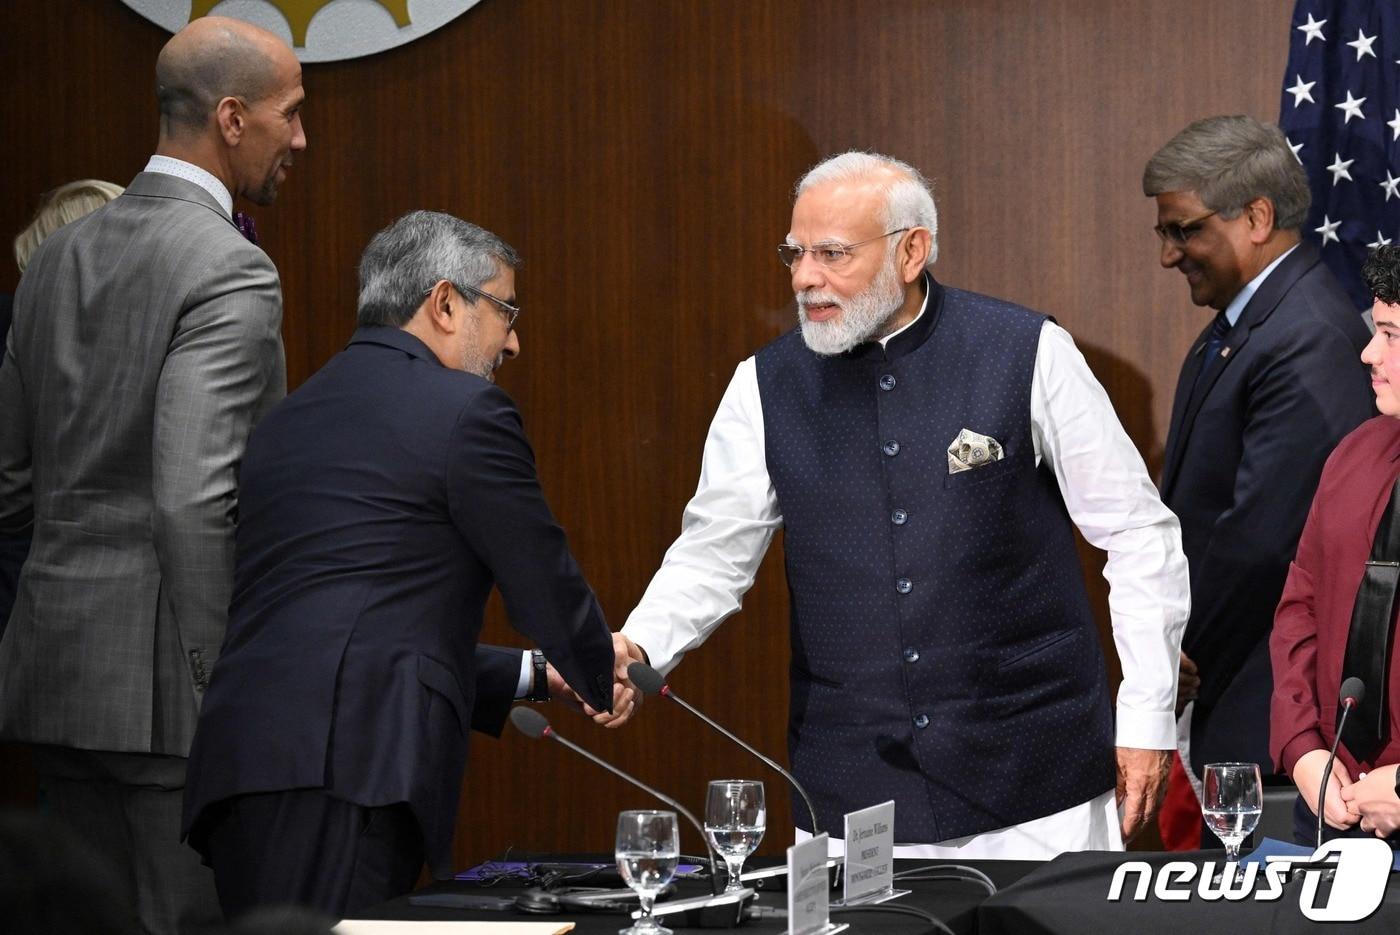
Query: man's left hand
{"points": [[1142, 781], [1373, 797]]}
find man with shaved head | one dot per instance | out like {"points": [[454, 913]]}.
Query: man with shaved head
{"points": [[928, 453], [146, 344]]}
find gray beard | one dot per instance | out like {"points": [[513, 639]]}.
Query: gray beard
{"points": [[864, 316]]}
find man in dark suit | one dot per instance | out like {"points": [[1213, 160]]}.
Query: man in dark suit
{"points": [[146, 343], [380, 503], [1265, 393]]}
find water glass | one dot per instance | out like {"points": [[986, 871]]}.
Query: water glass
{"points": [[648, 848], [1231, 802], [735, 817]]}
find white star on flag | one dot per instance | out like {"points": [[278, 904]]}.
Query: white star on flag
{"points": [[1296, 147], [1391, 185], [1338, 168], [1351, 107], [1328, 230], [1363, 44], [1312, 29], [1395, 124], [1380, 241], [1302, 91]]}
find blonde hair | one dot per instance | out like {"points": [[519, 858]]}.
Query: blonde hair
{"points": [[63, 205]]}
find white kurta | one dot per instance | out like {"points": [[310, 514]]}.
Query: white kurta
{"points": [[728, 524]]}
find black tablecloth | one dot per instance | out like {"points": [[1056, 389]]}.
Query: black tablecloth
{"points": [[953, 902], [1067, 895]]}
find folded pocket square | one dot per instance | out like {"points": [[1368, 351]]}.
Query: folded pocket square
{"points": [[971, 450]]}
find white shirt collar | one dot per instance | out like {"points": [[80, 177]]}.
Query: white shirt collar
{"points": [[1237, 304], [190, 172]]}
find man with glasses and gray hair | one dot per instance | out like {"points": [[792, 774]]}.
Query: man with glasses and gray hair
{"points": [[1266, 391], [379, 504], [927, 452]]}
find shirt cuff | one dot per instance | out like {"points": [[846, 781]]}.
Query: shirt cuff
{"points": [[527, 676], [1145, 730]]}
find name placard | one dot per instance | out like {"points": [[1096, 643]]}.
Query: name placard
{"points": [[809, 889], [870, 855]]}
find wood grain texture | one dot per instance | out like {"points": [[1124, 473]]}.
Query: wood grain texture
{"points": [[640, 154]]}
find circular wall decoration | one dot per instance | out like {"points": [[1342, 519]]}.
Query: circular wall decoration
{"points": [[319, 30]]}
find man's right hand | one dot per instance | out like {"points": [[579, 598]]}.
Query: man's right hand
{"points": [[1188, 683], [626, 696], [1307, 776]]}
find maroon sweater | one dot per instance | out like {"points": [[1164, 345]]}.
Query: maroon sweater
{"points": [[1314, 616]]}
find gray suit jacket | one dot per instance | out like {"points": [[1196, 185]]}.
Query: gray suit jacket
{"points": [[146, 343]]}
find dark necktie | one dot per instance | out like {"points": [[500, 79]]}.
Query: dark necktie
{"points": [[1215, 340], [245, 226], [1368, 643]]}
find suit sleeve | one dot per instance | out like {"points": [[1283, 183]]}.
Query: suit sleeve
{"points": [[1307, 394], [497, 678], [495, 500], [16, 494], [224, 368], [1294, 712]]}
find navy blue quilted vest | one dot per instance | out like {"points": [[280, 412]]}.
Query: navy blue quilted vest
{"points": [[943, 650]]}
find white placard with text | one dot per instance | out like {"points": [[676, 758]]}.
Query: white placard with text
{"points": [[869, 873], [809, 889]]}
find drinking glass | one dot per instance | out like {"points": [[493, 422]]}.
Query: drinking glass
{"points": [[1231, 802], [648, 847], [734, 821]]}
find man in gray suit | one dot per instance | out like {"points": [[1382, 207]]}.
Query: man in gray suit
{"points": [[146, 344]]}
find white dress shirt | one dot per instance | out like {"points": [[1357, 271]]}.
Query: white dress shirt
{"points": [[728, 524], [168, 165]]}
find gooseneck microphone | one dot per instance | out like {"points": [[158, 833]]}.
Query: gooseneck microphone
{"points": [[1353, 690], [651, 683], [534, 725]]}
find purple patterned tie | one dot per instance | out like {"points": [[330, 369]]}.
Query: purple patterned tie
{"points": [[246, 226]]}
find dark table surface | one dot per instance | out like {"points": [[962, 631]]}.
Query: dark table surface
{"points": [[1066, 895], [954, 902]]}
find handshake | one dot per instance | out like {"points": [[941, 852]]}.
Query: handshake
{"points": [[626, 696]]}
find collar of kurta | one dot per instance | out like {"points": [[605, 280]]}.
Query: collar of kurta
{"points": [[913, 336]]}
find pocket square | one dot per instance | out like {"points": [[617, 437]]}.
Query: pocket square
{"points": [[971, 450]]}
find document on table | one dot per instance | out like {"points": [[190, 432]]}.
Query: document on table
{"points": [[404, 927]]}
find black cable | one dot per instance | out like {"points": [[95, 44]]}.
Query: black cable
{"points": [[949, 872], [937, 923]]}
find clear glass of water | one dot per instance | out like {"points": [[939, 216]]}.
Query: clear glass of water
{"points": [[648, 847], [1232, 801], [735, 817]]}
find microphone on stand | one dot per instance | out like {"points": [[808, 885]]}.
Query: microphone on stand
{"points": [[534, 725], [651, 683], [1353, 690]]}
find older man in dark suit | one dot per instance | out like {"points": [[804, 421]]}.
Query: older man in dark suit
{"points": [[146, 343], [1265, 392], [380, 504]]}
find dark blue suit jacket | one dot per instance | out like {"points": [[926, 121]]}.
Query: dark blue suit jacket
{"points": [[379, 504], [1244, 452]]}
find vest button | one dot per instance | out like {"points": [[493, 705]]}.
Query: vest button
{"points": [[899, 517], [887, 382], [911, 655], [904, 585], [921, 721], [891, 448]]}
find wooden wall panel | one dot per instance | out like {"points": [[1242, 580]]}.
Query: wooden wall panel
{"points": [[640, 155]]}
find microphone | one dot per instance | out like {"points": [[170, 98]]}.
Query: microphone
{"points": [[1352, 692], [651, 683], [534, 725]]}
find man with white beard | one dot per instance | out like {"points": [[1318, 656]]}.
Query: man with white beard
{"points": [[925, 451]]}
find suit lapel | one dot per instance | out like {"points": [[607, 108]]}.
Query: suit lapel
{"points": [[1191, 392]]}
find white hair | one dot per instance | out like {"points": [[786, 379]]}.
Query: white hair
{"points": [[908, 200]]}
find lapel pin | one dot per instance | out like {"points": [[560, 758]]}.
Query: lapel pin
{"points": [[1224, 352]]}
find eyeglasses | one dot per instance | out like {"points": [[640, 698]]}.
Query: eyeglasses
{"points": [[1177, 233], [832, 255], [512, 312]]}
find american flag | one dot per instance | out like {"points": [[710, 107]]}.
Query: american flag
{"points": [[1341, 113]]}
